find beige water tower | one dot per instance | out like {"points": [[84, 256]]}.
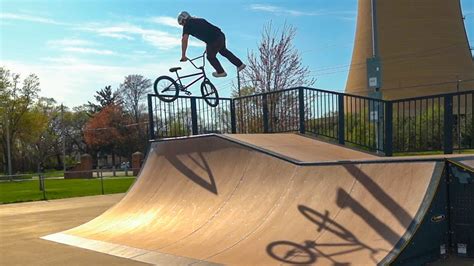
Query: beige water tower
{"points": [[409, 48]]}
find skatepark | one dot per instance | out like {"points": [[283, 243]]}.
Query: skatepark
{"points": [[380, 174], [256, 199]]}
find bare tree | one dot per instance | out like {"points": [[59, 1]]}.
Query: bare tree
{"points": [[133, 91], [277, 64]]}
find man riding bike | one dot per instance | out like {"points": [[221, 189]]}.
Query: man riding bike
{"points": [[214, 39]]}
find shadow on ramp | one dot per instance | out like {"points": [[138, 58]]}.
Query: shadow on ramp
{"points": [[309, 251], [209, 185]]}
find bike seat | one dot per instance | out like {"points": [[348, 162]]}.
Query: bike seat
{"points": [[174, 69]]}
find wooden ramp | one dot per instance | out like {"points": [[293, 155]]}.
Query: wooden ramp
{"points": [[217, 199]]}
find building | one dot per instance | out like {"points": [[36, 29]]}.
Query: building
{"points": [[410, 48]]}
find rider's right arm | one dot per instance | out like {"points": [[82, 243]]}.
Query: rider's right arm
{"points": [[184, 45]]}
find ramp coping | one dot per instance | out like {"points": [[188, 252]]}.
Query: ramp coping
{"points": [[303, 163]]}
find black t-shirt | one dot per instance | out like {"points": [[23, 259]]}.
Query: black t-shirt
{"points": [[201, 29]]}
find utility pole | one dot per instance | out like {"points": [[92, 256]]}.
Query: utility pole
{"points": [[63, 138], [9, 156], [374, 78]]}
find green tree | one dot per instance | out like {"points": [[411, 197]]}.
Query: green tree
{"points": [[104, 98], [17, 99]]}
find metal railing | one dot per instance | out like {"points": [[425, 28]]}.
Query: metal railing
{"points": [[440, 122], [189, 115]]}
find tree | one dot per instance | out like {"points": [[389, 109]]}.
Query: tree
{"points": [[17, 100], [277, 64], [104, 97], [133, 91], [104, 132], [47, 145], [74, 123]]}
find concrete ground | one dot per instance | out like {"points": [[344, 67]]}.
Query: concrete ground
{"points": [[22, 225]]}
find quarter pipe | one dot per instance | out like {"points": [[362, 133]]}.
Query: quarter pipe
{"points": [[223, 199]]}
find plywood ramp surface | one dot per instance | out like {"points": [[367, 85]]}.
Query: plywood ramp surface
{"points": [[301, 148], [211, 200]]}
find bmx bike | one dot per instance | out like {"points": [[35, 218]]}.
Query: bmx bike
{"points": [[167, 89], [309, 251]]}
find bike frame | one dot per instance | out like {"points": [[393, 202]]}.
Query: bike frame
{"points": [[202, 74]]}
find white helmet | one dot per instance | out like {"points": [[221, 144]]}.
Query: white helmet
{"points": [[182, 17]]}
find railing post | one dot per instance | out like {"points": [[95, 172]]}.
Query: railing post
{"points": [[341, 125], [151, 124], [265, 113], [232, 117], [301, 110], [448, 124], [388, 144], [194, 118]]}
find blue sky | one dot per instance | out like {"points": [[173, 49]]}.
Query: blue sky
{"points": [[79, 46]]}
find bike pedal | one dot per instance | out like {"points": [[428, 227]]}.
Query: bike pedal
{"points": [[188, 93]]}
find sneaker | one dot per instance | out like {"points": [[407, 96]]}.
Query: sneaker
{"points": [[219, 75], [241, 67]]}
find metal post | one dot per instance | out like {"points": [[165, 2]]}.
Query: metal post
{"points": [[373, 13], [42, 185], [238, 82], [388, 147], [151, 125], [265, 113], [301, 110], [102, 182], [341, 128], [232, 116], [194, 118], [448, 124]]}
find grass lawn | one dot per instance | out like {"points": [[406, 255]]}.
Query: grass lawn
{"points": [[61, 188]]}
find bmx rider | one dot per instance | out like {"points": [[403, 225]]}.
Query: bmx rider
{"points": [[214, 39]]}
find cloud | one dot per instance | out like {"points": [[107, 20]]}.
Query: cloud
{"points": [[73, 81], [70, 42], [160, 39], [277, 10], [117, 36], [29, 18], [78, 46], [167, 21], [88, 51], [280, 10]]}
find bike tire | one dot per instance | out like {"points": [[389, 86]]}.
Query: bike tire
{"points": [[209, 93], [273, 251], [166, 97]]}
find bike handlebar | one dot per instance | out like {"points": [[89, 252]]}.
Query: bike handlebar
{"points": [[203, 60]]}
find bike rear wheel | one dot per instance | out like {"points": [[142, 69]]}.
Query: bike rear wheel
{"points": [[209, 93], [166, 89]]}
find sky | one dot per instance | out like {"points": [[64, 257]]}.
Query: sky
{"points": [[77, 47]]}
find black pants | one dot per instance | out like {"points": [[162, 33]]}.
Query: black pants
{"points": [[218, 46]]}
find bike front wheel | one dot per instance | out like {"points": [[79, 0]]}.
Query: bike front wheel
{"points": [[291, 253], [166, 89], [209, 93]]}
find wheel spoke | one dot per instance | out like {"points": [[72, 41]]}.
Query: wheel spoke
{"points": [[166, 88]]}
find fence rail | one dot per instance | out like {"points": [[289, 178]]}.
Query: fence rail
{"points": [[441, 122]]}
